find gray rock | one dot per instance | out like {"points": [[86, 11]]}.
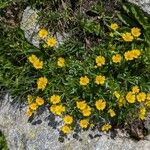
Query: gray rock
{"points": [[22, 135], [144, 4], [147, 122], [29, 24]]}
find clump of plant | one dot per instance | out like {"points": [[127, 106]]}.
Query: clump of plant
{"points": [[99, 76], [103, 87]]}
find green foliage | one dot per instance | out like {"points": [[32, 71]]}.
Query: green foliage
{"points": [[91, 26], [88, 37], [3, 145], [132, 16]]}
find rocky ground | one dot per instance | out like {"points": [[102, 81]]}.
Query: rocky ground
{"points": [[40, 135]]}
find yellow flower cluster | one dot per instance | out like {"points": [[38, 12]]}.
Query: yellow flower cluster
{"points": [[41, 83], [67, 120], [37, 64], [141, 97], [50, 41], [84, 108], [33, 105], [135, 94], [133, 54], [128, 37], [56, 108]]}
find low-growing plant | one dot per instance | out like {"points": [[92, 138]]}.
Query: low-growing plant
{"points": [[98, 77]]}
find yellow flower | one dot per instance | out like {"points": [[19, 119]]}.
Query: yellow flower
{"points": [[116, 58], [41, 83], [55, 99], [100, 60], [29, 112], [84, 80], [81, 105], [100, 79], [129, 55], [58, 109], [87, 111], [51, 42], [117, 95], [136, 32], [38, 64], [100, 104], [147, 103], [127, 37], [68, 119], [84, 123], [30, 99], [32, 58], [141, 97], [52, 108], [106, 127], [114, 26], [136, 53], [130, 97], [121, 101], [61, 62], [35, 61], [39, 101], [111, 112], [142, 113], [33, 106], [43, 33], [135, 89], [66, 129], [148, 96]]}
